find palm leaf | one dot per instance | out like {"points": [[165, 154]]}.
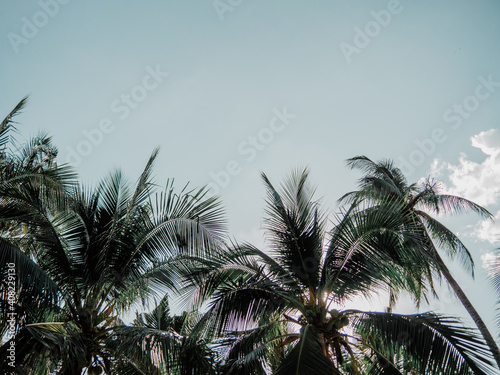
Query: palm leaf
{"points": [[34, 290], [432, 343], [447, 240], [45, 345], [367, 249], [295, 226], [248, 352], [451, 204], [7, 122], [158, 352]]}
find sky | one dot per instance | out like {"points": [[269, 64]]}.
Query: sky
{"points": [[231, 88]]}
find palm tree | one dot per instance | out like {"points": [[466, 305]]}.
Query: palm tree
{"points": [[29, 168], [165, 341], [34, 159], [382, 181], [82, 263], [30, 165], [282, 310]]}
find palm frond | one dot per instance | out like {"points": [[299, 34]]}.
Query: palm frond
{"points": [[239, 303], [453, 205], [494, 272], [48, 345], [8, 122], [447, 240], [158, 352], [26, 289], [249, 352], [433, 344], [367, 249], [296, 227]]}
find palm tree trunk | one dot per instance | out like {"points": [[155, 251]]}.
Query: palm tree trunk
{"points": [[324, 344], [471, 310]]}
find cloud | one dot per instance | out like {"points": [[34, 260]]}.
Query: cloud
{"points": [[489, 261], [488, 230], [478, 182], [488, 141]]}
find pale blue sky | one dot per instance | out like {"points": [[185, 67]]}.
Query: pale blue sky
{"points": [[228, 73]]}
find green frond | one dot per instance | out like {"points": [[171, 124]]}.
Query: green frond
{"points": [[34, 291], [47, 346], [367, 249], [249, 352], [448, 241], [295, 227], [425, 343], [158, 352], [8, 122], [453, 205]]}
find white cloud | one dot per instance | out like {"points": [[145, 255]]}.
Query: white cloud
{"points": [[478, 182], [488, 141], [488, 230], [487, 260], [491, 261]]}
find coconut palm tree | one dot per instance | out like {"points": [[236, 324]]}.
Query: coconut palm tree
{"points": [[166, 345], [29, 168], [32, 164], [35, 159], [82, 264], [284, 310], [382, 181]]}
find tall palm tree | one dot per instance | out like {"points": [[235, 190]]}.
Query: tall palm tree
{"points": [[85, 262], [382, 181], [283, 310]]}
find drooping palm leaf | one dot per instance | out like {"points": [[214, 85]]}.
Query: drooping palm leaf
{"points": [[161, 352], [247, 352], [53, 344], [366, 250], [433, 344], [23, 284], [447, 240]]}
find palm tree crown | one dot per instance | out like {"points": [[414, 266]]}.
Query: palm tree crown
{"points": [[382, 181], [92, 258]]}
